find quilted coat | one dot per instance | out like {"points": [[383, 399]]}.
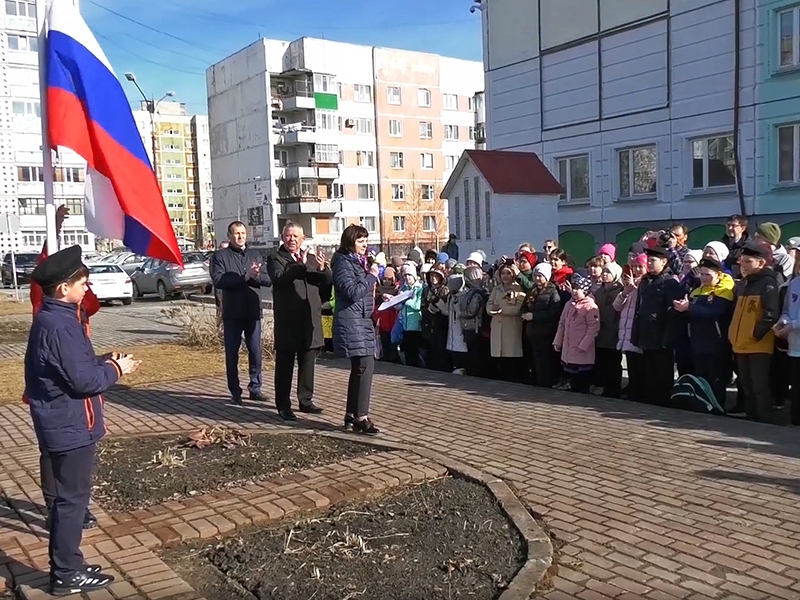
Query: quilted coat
{"points": [[354, 287]]}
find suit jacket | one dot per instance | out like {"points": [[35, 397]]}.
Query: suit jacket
{"points": [[296, 301], [241, 299]]}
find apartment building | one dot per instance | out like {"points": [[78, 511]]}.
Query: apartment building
{"points": [[645, 111], [326, 134], [178, 147], [21, 172]]}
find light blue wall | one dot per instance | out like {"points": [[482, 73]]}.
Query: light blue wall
{"points": [[779, 104]]}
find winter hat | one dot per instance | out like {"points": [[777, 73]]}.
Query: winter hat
{"points": [[380, 259], [482, 253], [389, 273], [580, 282], [443, 258], [529, 256], [459, 268], [615, 270], [640, 259], [638, 247], [544, 269], [425, 268], [608, 249], [397, 262], [770, 232], [475, 257], [697, 255], [408, 270], [793, 243], [455, 283], [720, 249], [415, 256], [431, 255], [473, 275], [451, 263]]}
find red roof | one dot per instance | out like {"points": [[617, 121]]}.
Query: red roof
{"points": [[514, 172]]}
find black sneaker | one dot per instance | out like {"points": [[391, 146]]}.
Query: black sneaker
{"points": [[80, 582], [89, 520]]}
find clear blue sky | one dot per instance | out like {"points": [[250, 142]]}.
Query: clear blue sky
{"points": [[168, 44]]}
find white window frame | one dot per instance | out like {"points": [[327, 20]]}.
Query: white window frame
{"points": [[363, 126], [30, 7], [795, 127], [394, 95], [396, 160], [424, 97], [471, 133], [326, 153], [395, 128], [398, 192], [704, 140], [422, 161], [795, 15], [337, 190], [24, 43], [370, 188], [401, 220], [428, 133], [372, 227], [365, 158], [448, 159], [429, 223], [632, 171], [325, 84], [451, 133], [326, 120], [568, 186], [427, 192], [362, 92], [449, 102], [336, 224]]}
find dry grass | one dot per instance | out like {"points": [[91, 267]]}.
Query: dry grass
{"points": [[161, 362], [10, 307]]}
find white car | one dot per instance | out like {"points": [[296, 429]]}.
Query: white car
{"points": [[109, 282]]}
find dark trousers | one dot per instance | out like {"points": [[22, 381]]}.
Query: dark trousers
{"points": [[608, 371], [72, 476], [546, 362], [509, 369], [754, 371], [284, 371], [359, 386], [581, 382], [478, 358], [233, 331], [412, 342], [636, 376], [389, 349], [47, 480], [794, 394], [714, 369], [659, 376]]}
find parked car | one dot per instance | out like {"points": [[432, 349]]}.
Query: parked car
{"points": [[109, 282], [127, 260], [160, 277], [25, 264]]}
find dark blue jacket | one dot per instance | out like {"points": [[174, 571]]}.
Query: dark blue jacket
{"points": [[64, 379], [241, 299], [354, 289]]}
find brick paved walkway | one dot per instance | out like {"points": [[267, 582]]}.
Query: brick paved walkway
{"points": [[651, 503]]}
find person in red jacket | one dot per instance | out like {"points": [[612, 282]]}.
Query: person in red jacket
{"points": [[88, 307]]}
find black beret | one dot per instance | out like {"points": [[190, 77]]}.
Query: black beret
{"points": [[753, 248], [710, 263], [657, 251], [58, 267]]}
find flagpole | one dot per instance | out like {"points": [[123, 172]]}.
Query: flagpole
{"points": [[47, 151]]}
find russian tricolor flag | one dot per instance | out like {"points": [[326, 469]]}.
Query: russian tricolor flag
{"points": [[88, 112]]}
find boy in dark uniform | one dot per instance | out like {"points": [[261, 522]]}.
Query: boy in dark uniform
{"points": [[63, 382]]}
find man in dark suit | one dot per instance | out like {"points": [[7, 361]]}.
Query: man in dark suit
{"points": [[239, 273], [297, 277]]}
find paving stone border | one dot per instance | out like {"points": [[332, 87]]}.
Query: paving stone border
{"points": [[124, 543]]}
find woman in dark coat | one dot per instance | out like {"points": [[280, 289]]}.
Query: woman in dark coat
{"points": [[354, 281]]}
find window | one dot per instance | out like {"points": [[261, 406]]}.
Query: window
{"points": [[450, 162], [470, 103], [30, 174], [451, 132], [326, 153], [281, 157], [365, 158], [393, 95], [487, 198], [171, 132], [467, 214], [29, 108], [31, 206], [426, 160], [74, 205], [173, 191], [368, 223], [363, 93], [425, 130], [190, 159], [366, 191], [395, 128], [172, 147], [429, 223], [637, 172], [478, 102], [363, 126], [427, 191], [789, 38], [337, 225], [450, 102], [471, 133], [172, 161], [789, 154], [396, 160], [457, 213], [337, 190], [339, 90], [398, 191], [326, 119], [71, 174], [423, 97], [713, 163], [325, 83], [477, 185], [21, 8], [23, 43], [399, 224], [573, 175]]}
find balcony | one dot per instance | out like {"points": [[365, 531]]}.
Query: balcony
{"points": [[288, 96], [309, 206], [310, 170], [297, 171], [297, 135]]}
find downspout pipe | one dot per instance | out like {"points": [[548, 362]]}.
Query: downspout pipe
{"points": [[737, 68]]}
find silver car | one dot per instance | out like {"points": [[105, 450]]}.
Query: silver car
{"points": [[160, 277], [128, 261]]}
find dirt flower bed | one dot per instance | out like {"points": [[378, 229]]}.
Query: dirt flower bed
{"points": [[444, 539], [140, 472]]}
